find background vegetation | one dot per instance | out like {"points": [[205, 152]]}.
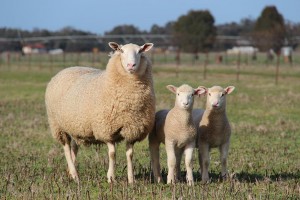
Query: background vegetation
{"points": [[264, 155], [194, 32]]}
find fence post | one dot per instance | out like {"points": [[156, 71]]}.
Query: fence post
{"points": [[177, 58], [8, 59], [205, 65], [277, 68], [238, 67], [64, 58], [78, 58]]}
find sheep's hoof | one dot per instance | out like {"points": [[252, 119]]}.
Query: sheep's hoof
{"points": [[73, 175], [111, 180]]}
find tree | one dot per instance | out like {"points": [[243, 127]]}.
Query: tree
{"points": [[124, 30], [195, 32], [269, 30]]}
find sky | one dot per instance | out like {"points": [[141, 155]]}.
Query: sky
{"points": [[99, 16]]}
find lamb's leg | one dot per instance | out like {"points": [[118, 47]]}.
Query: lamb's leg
{"points": [[154, 154], [178, 154], [112, 162], [171, 162], [223, 158], [188, 151], [204, 161], [74, 151], [71, 166], [129, 155]]}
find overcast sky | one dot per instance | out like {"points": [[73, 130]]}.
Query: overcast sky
{"points": [[98, 16]]}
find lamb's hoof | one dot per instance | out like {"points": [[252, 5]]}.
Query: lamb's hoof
{"points": [[205, 181], [190, 182], [224, 177]]}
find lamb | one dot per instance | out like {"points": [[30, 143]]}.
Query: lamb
{"points": [[90, 106], [175, 128], [213, 129]]}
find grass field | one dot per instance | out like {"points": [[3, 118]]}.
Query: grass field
{"points": [[264, 158]]}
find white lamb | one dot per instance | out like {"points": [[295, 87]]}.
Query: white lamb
{"points": [[213, 129], [176, 129], [86, 105]]}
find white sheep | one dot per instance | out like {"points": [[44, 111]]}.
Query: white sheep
{"points": [[213, 129], [176, 129], [86, 105]]}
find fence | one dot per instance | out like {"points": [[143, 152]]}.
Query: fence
{"points": [[100, 59]]}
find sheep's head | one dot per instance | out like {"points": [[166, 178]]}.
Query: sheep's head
{"points": [[216, 97], [185, 95], [130, 55]]}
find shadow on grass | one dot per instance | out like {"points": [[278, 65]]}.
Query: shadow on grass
{"points": [[243, 176], [248, 177]]}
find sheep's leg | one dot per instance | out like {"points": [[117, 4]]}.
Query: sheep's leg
{"points": [[129, 155], [171, 162], [74, 151], [178, 154], [204, 161], [188, 151], [112, 162], [223, 158], [71, 166], [154, 154]]}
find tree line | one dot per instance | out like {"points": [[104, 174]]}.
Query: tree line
{"points": [[194, 32]]}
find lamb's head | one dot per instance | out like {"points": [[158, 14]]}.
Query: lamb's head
{"points": [[216, 97], [185, 95], [130, 55]]}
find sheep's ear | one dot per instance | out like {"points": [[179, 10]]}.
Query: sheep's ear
{"points": [[115, 46], [229, 89], [200, 91], [146, 47], [172, 88]]}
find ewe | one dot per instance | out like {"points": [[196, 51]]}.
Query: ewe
{"points": [[90, 106], [214, 129], [175, 128]]}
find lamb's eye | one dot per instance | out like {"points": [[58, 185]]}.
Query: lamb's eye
{"points": [[192, 95], [178, 94], [209, 94]]}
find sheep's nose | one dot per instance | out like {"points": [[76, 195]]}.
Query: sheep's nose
{"points": [[130, 65]]}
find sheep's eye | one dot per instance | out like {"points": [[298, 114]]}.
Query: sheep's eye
{"points": [[121, 50], [223, 94], [192, 94], [209, 94], [178, 94]]}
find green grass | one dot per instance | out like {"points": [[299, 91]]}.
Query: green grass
{"points": [[263, 160]]}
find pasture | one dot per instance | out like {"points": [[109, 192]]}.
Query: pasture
{"points": [[264, 157]]}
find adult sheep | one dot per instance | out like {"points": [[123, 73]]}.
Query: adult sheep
{"points": [[90, 106]]}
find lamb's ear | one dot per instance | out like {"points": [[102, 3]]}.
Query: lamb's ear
{"points": [[115, 46], [229, 89], [200, 91], [172, 88], [146, 47]]}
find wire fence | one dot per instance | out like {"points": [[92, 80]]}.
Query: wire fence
{"points": [[99, 59]]}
